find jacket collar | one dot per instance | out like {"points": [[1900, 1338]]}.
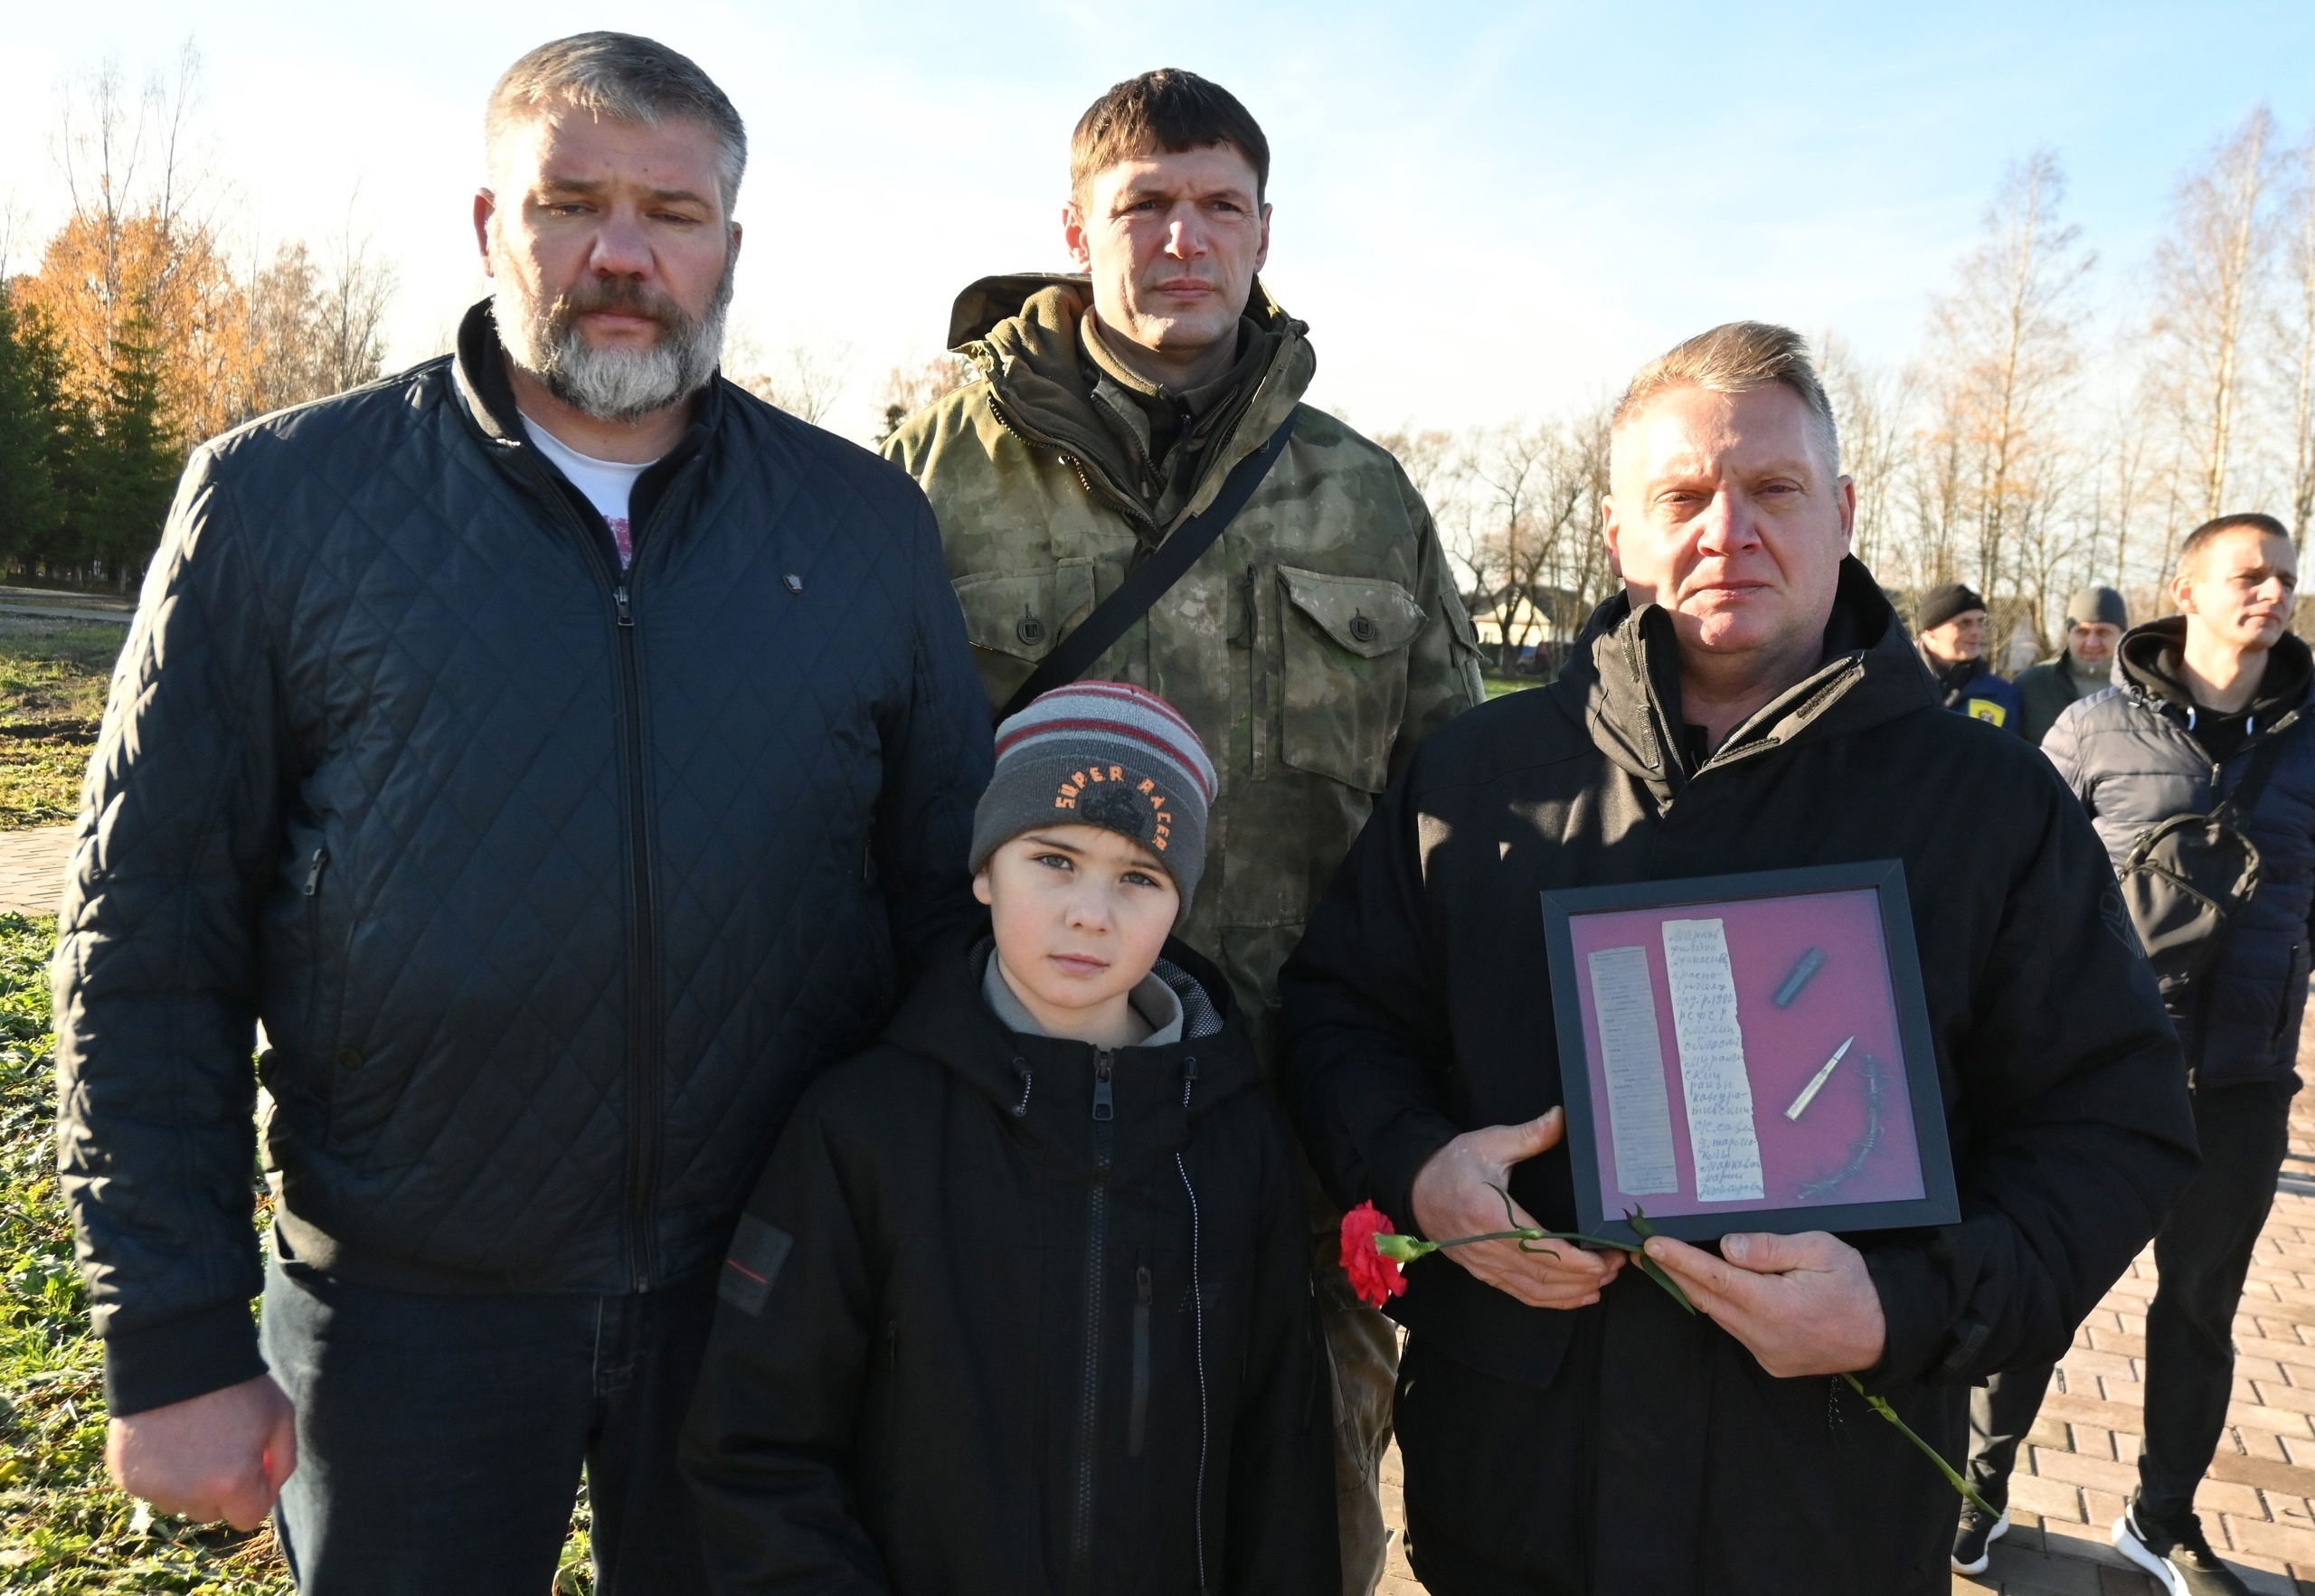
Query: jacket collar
{"points": [[1022, 331], [2147, 665], [478, 365], [1623, 684], [1042, 1086]]}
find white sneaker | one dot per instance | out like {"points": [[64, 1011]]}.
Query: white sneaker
{"points": [[1973, 1540]]}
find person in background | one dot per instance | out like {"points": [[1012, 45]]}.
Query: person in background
{"points": [[1022, 1302], [2096, 619], [2204, 695], [1314, 645], [1952, 623], [565, 754]]}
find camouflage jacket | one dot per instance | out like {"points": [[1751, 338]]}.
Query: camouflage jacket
{"points": [[1312, 647]]}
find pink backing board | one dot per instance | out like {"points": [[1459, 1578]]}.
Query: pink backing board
{"points": [[1849, 995]]}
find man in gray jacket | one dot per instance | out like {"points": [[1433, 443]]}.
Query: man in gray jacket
{"points": [[562, 753], [2201, 697]]}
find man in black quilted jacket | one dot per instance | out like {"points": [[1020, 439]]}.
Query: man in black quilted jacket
{"points": [[562, 754]]}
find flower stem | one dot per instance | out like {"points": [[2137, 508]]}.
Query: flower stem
{"points": [[1881, 1406]]}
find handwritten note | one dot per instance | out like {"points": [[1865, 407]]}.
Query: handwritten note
{"points": [[1631, 1054], [1718, 1092]]}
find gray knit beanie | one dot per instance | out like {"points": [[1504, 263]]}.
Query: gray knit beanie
{"points": [[1106, 754], [2095, 605]]}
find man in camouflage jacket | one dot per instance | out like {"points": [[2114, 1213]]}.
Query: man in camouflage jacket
{"points": [[1313, 646]]}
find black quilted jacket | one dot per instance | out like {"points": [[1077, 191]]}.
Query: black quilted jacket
{"points": [[553, 886]]}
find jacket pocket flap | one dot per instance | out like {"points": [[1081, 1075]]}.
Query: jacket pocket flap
{"points": [[1025, 614], [1369, 617]]}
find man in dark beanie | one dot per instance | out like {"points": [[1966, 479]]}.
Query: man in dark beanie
{"points": [[2096, 619], [1951, 626]]}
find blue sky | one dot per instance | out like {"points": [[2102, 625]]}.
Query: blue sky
{"points": [[1483, 210]]}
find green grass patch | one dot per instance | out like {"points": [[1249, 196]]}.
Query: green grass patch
{"points": [[52, 682], [62, 1527], [1497, 685]]}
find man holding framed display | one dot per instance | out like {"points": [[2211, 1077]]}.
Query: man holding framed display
{"points": [[1749, 704]]}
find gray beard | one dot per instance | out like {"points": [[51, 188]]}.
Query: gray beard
{"points": [[620, 385]]}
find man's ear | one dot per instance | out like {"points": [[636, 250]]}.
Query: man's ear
{"points": [[980, 885], [1072, 236], [486, 205]]}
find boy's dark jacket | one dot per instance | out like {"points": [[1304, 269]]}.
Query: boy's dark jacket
{"points": [[928, 1397], [1416, 1010]]}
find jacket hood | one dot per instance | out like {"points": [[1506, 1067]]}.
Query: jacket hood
{"points": [[1021, 331], [1044, 1085], [2147, 661], [1623, 684]]}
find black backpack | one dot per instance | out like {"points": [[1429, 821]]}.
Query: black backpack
{"points": [[2188, 881]]}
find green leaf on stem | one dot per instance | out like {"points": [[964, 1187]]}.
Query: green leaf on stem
{"points": [[1638, 1219]]}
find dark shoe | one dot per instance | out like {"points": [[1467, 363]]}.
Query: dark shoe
{"points": [[2177, 1555], [1973, 1541]]}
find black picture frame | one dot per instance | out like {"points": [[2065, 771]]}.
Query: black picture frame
{"points": [[1938, 1205]]}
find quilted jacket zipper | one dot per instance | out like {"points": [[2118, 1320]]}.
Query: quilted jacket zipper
{"points": [[643, 1017], [315, 1042], [1097, 1226]]}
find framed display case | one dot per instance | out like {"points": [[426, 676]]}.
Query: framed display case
{"points": [[1748, 1052]]}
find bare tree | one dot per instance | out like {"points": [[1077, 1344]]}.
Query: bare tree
{"points": [[804, 379], [2005, 346], [1870, 402], [2209, 272], [2296, 341], [913, 384]]}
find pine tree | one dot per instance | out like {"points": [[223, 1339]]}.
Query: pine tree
{"points": [[31, 509], [138, 474]]}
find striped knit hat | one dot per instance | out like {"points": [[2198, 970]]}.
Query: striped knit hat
{"points": [[1106, 754]]}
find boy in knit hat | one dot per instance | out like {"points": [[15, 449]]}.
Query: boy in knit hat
{"points": [[1022, 1302]]}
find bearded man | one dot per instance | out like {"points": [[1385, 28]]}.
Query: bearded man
{"points": [[562, 753]]}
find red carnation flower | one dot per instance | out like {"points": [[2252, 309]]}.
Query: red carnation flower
{"points": [[1375, 1278]]}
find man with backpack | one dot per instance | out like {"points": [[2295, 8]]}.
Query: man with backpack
{"points": [[2197, 767]]}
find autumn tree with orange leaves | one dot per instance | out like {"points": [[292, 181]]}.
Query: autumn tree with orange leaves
{"points": [[157, 340]]}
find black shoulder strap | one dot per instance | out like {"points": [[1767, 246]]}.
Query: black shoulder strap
{"points": [[1147, 582], [2264, 756]]}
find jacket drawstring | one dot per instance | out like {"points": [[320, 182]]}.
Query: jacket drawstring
{"points": [[1197, 1324]]}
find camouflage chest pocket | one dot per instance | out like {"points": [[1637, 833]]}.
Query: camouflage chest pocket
{"points": [[1014, 620], [1346, 667]]}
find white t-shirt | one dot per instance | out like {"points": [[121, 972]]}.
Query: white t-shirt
{"points": [[606, 483]]}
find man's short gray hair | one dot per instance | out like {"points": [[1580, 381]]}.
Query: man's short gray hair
{"points": [[1737, 357], [620, 78]]}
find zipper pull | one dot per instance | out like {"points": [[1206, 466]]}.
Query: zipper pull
{"points": [[619, 596], [1105, 1106], [314, 872]]}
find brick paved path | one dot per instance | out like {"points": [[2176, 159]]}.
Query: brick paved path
{"points": [[31, 869], [2258, 1503]]}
